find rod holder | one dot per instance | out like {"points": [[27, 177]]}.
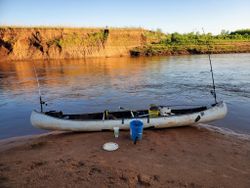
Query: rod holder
{"points": [[41, 104]]}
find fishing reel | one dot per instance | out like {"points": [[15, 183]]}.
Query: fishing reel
{"points": [[213, 93], [42, 103]]}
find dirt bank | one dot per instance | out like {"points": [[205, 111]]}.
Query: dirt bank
{"points": [[180, 157], [61, 43]]}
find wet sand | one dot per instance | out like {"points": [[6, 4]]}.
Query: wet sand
{"points": [[178, 157]]}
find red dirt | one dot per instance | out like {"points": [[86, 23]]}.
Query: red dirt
{"points": [[180, 157]]}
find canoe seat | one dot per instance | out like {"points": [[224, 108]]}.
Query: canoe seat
{"points": [[54, 113]]}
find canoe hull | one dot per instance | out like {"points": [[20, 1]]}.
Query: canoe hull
{"points": [[43, 121]]}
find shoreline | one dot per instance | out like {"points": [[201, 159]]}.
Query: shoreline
{"points": [[208, 127], [128, 56], [212, 128], [154, 51], [163, 158]]}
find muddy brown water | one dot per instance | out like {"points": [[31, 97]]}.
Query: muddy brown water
{"points": [[96, 84]]}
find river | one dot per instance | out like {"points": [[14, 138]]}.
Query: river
{"points": [[96, 84]]}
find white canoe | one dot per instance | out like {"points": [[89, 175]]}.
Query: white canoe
{"points": [[181, 117]]}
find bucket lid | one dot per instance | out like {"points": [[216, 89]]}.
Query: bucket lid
{"points": [[110, 146]]}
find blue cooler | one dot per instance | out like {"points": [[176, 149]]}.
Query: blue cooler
{"points": [[136, 130]]}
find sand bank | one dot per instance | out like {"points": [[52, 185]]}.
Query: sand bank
{"points": [[179, 157]]}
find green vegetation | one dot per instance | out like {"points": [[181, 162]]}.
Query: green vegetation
{"points": [[90, 39], [78, 39], [195, 43], [155, 37], [57, 42], [245, 32]]}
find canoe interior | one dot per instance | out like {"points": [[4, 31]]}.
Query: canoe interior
{"points": [[119, 114]]}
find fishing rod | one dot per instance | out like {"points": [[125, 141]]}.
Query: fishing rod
{"points": [[213, 92], [39, 90]]}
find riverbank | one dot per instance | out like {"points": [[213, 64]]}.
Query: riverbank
{"points": [[21, 43], [190, 49], [178, 157], [30, 43]]}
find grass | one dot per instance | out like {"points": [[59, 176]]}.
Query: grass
{"points": [[76, 39], [194, 43]]}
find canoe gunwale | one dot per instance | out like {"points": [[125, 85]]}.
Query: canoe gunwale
{"points": [[176, 112], [43, 121]]}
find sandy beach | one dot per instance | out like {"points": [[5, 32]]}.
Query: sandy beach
{"points": [[178, 157]]}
